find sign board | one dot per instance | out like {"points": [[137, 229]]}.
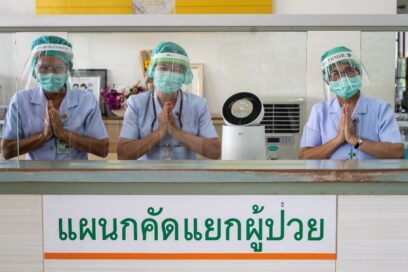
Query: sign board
{"points": [[190, 227]]}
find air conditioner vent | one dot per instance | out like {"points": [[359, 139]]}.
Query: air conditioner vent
{"points": [[282, 118]]}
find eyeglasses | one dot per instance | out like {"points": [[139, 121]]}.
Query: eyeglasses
{"points": [[58, 68], [349, 72], [171, 67]]}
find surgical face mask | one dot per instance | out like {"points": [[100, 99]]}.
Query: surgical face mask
{"points": [[168, 82], [346, 87], [52, 82]]}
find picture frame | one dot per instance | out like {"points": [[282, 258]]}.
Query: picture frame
{"points": [[197, 85], [91, 80]]}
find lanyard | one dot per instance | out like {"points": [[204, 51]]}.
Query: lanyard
{"points": [[155, 111], [350, 155]]}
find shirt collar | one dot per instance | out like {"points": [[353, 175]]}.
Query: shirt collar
{"points": [[38, 97], [361, 106], [176, 108]]}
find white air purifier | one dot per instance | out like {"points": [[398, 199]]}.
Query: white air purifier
{"points": [[242, 136], [243, 143]]}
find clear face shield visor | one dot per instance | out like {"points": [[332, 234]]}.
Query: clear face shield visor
{"points": [[48, 65], [170, 72], [343, 76]]}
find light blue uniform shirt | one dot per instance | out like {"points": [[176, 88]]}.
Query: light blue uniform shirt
{"points": [[79, 114], [195, 117], [374, 120]]}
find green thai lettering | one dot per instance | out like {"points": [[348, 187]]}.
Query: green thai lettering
{"points": [[113, 235], [270, 223], [150, 225], [84, 230], [189, 235], [209, 225], [63, 235], [256, 209], [251, 230], [256, 229], [299, 234], [312, 228], [169, 227], [256, 246], [230, 223], [151, 211], [126, 223]]}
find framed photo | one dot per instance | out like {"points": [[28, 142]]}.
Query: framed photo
{"points": [[90, 80], [197, 86]]}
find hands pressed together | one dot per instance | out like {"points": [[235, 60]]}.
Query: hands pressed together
{"points": [[167, 122], [52, 123], [347, 131]]}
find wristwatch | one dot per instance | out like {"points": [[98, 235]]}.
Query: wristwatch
{"points": [[359, 142]]}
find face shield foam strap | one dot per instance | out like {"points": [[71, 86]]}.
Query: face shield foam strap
{"points": [[338, 57], [51, 47], [160, 56]]}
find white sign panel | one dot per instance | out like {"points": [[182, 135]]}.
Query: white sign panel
{"points": [[190, 227]]}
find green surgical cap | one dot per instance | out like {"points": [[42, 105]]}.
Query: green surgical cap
{"points": [[170, 47], [66, 58]]}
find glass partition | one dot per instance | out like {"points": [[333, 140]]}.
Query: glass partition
{"points": [[355, 117], [271, 65], [8, 87], [110, 96]]}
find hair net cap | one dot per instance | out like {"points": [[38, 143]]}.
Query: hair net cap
{"points": [[175, 49], [51, 46]]}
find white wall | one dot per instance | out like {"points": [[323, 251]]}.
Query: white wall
{"points": [[269, 64], [335, 6], [17, 7], [7, 67]]}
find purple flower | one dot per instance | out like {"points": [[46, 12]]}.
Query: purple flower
{"points": [[113, 98]]}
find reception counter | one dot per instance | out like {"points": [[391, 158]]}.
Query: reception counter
{"points": [[369, 217]]}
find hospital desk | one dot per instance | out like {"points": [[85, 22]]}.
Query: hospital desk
{"points": [[371, 206]]}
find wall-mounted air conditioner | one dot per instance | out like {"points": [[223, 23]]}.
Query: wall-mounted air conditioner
{"points": [[284, 120]]}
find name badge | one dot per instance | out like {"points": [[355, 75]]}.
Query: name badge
{"points": [[62, 147]]}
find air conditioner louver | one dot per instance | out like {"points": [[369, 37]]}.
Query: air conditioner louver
{"points": [[281, 118]]}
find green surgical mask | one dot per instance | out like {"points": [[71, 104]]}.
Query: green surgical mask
{"points": [[346, 87], [52, 82], [168, 82]]}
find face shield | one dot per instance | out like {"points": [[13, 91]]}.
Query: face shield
{"points": [[170, 71], [49, 66], [343, 75]]}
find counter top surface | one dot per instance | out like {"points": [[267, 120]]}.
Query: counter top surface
{"points": [[206, 165], [373, 177], [206, 171]]}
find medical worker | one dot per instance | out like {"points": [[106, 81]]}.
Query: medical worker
{"points": [[168, 123], [350, 125], [50, 121]]}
